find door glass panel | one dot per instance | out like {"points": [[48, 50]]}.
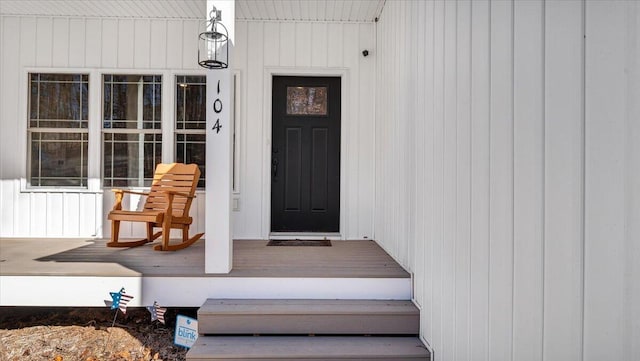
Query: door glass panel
{"points": [[304, 100]]}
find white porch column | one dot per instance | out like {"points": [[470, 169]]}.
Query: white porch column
{"points": [[219, 243]]}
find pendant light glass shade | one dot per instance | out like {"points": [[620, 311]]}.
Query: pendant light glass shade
{"points": [[213, 43]]}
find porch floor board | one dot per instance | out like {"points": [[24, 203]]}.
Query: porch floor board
{"points": [[251, 258]]}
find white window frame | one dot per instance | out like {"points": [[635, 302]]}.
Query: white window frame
{"points": [[137, 131], [24, 128]]}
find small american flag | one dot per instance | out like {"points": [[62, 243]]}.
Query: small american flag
{"points": [[120, 300], [157, 312]]}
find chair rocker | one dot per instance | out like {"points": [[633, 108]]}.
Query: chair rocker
{"points": [[166, 207]]}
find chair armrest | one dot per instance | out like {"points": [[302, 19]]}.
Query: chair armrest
{"points": [[120, 194], [129, 192], [186, 195]]}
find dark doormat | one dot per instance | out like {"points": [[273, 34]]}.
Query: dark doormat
{"points": [[300, 242]]}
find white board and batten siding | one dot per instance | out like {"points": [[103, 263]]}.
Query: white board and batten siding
{"points": [[168, 47], [93, 46], [508, 174], [306, 48]]}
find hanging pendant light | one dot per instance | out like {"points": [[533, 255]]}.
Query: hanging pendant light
{"points": [[213, 47]]}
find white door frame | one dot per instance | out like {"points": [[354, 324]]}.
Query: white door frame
{"points": [[269, 73]]}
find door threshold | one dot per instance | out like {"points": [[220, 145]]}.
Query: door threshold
{"points": [[333, 236]]}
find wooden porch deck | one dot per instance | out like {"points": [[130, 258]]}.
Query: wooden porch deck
{"points": [[347, 269], [251, 258]]}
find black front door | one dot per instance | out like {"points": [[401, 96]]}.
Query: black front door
{"points": [[305, 154]]}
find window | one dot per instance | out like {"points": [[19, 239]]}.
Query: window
{"points": [[191, 121], [58, 129], [131, 129]]}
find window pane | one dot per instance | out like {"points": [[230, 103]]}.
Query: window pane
{"points": [[191, 148], [58, 100], [191, 102], [130, 159], [306, 100], [132, 102], [59, 159]]}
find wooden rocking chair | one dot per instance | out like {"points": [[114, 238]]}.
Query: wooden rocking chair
{"points": [[167, 206]]}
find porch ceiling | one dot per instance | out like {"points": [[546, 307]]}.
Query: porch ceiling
{"points": [[292, 10], [309, 10]]}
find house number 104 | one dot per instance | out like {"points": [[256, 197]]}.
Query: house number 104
{"points": [[217, 107]]}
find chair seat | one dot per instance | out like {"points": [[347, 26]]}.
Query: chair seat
{"points": [[136, 216]]}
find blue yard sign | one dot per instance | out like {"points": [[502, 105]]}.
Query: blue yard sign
{"points": [[186, 331]]}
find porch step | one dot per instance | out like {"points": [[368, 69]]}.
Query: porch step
{"points": [[209, 348], [333, 317]]}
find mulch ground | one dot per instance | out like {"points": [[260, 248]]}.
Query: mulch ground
{"points": [[85, 334]]}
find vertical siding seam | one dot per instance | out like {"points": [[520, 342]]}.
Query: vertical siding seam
{"points": [[544, 167], [84, 45], [489, 191], [455, 193], [117, 47], [442, 176], [149, 27], [50, 64], [101, 42], [433, 145], [583, 175], [471, 204], [513, 175]]}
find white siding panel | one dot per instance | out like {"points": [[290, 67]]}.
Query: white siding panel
{"points": [[44, 41], [126, 43], [60, 44], [501, 187], [28, 41], [632, 206], [190, 44], [174, 44], [350, 131], [77, 39], [158, 51], [449, 139], [38, 214], [303, 44], [480, 175], [335, 35], [319, 41], [605, 128], [287, 44], [528, 180], [86, 204], [54, 214], [142, 43], [428, 165], [437, 340], [93, 43], [366, 133], [563, 181], [109, 43], [252, 182], [74, 215], [271, 43], [10, 134], [7, 192], [462, 255]]}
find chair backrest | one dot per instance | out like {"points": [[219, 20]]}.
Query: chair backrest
{"points": [[176, 177]]}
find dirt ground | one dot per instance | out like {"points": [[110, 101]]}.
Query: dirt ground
{"points": [[85, 334]]}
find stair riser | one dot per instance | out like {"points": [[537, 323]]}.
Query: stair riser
{"points": [[310, 324]]}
